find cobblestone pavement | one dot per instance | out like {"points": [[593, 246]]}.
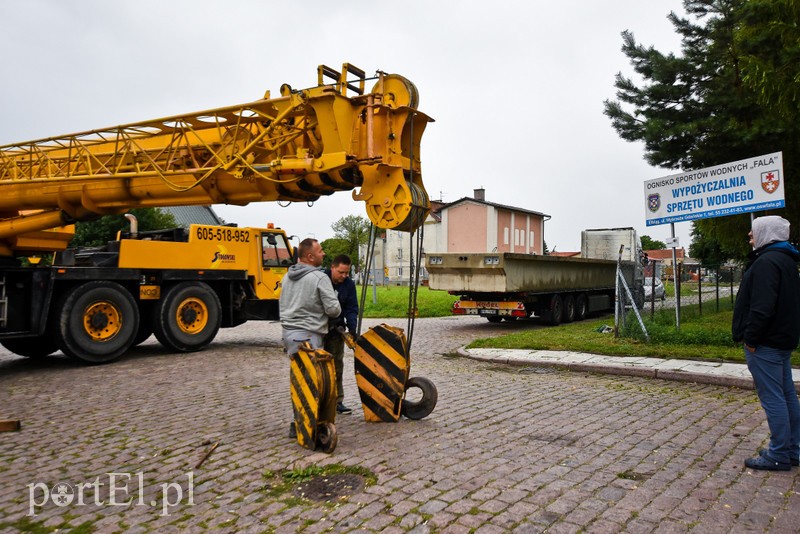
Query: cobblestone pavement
{"points": [[508, 449]]}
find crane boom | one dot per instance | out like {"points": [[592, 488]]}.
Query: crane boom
{"points": [[296, 147]]}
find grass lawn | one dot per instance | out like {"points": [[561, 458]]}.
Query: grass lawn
{"points": [[392, 301], [701, 337]]}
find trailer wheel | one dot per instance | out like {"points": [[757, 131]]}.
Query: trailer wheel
{"points": [[188, 317], [31, 347], [569, 309], [98, 322], [581, 307], [422, 408], [555, 311], [327, 438]]}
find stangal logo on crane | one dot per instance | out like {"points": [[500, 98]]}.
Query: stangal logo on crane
{"points": [[222, 256]]}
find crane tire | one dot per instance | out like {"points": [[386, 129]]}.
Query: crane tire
{"points": [[144, 332], [327, 438], [145, 323], [97, 322], [188, 317], [422, 408], [31, 347]]}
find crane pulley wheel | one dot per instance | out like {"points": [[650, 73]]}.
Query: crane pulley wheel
{"points": [[398, 91]]}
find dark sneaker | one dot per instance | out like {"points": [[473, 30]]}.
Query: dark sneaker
{"points": [[292, 430], [765, 464], [341, 408], [794, 461]]}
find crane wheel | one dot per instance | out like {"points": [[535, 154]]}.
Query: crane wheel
{"points": [[188, 317], [327, 438], [422, 408], [398, 91], [31, 347], [144, 332], [97, 322], [145, 323]]}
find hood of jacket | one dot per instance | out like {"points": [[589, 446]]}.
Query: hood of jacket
{"points": [[769, 229], [299, 270]]}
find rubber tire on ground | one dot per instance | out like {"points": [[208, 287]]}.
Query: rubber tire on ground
{"points": [[31, 347], [569, 309], [327, 438], [494, 318], [73, 338], [144, 332], [422, 408], [145, 323], [186, 296], [581, 307], [555, 311]]}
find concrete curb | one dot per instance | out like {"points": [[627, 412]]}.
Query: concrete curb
{"points": [[616, 369]]}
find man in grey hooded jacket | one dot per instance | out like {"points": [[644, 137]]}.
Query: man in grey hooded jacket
{"points": [[307, 299], [766, 321]]}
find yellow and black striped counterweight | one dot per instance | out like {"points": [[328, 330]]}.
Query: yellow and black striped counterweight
{"points": [[382, 365], [313, 386]]}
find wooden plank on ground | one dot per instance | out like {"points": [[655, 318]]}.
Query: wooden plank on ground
{"points": [[10, 425]]}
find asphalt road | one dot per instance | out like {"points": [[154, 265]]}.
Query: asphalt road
{"points": [[129, 447]]}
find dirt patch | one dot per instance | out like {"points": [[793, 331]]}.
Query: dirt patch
{"points": [[330, 487]]}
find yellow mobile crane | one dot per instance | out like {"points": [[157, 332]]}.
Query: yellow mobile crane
{"points": [[183, 286]]}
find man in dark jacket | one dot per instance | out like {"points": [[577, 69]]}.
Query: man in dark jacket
{"points": [[345, 290], [766, 320]]}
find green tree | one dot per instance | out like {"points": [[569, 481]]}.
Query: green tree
{"points": [[353, 229], [708, 250], [101, 231], [697, 109], [771, 57], [649, 243]]}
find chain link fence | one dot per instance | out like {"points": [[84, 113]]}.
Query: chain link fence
{"points": [[690, 285]]}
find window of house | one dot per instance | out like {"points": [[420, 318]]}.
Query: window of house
{"points": [[519, 238]]}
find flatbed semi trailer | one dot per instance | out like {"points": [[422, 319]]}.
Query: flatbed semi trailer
{"points": [[558, 289]]}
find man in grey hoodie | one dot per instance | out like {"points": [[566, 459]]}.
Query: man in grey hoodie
{"points": [[766, 321], [307, 299]]}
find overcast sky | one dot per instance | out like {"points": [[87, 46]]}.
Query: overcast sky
{"points": [[516, 88]]}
